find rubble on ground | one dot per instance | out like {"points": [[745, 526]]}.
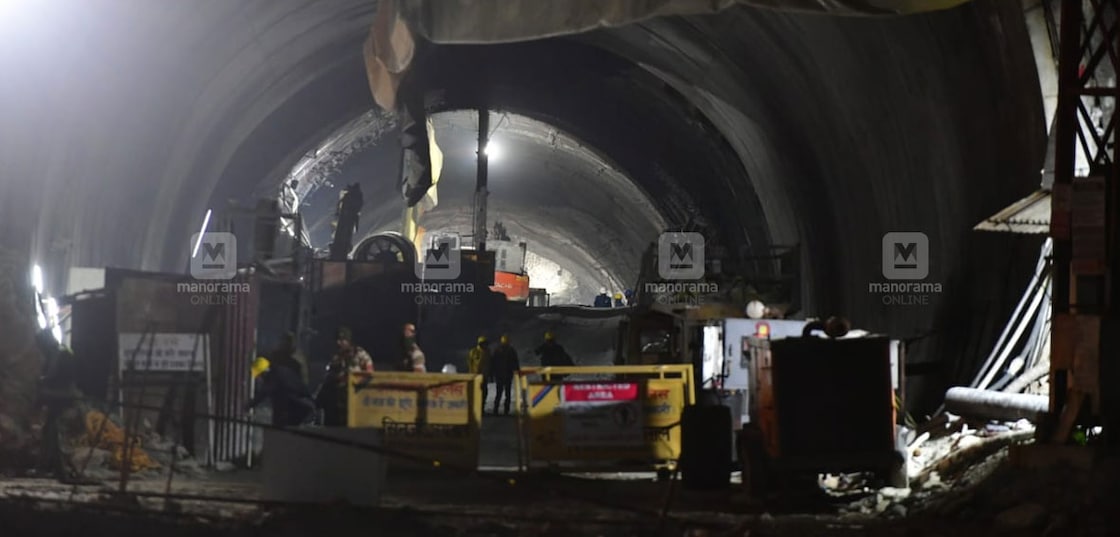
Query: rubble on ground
{"points": [[945, 453], [100, 451]]}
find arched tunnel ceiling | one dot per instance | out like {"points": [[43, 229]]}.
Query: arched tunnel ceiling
{"points": [[574, 207], [129, 118]]}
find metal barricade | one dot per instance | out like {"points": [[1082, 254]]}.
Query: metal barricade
{"points": [[624, 416], [432, 415]]}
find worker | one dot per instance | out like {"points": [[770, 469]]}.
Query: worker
{"points": [[333, 393], [503, 366], [416, 359], [58, 392], [409, 348], [552, 354], [287, 393], [618, 302], [628, 296], [478, 363], [287, 354], [603, 300]]}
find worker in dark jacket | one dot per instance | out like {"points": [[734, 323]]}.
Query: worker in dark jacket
{"points": [[602, 300], [58, 392], [552, 354], [287, 354], [291, 402], [503, 366]]}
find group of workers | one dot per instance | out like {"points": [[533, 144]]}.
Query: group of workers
{"points": [[619, 300], [282, 376], [501, 365]]}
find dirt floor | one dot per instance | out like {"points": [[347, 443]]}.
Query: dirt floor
{"points": [[991, 497]]}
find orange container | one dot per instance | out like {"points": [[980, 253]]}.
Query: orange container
{"points": [[514, 286]]}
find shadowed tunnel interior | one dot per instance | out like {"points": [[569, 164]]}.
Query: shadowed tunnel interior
{"points": [[131, 118]]}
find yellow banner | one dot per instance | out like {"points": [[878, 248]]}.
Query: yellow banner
{"points": [[563, 428], [431, 415]]}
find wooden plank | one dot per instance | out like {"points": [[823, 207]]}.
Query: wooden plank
{"points": [[1086, 359], [1060, 212], [1063, 336], [1068, 417]]}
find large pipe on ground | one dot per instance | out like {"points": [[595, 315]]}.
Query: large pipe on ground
{"points": [[996, 405]]}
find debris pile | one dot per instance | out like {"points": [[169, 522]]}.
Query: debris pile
{"points": [[101, 433], [102, 450], [946, 453], [1057, 500]]}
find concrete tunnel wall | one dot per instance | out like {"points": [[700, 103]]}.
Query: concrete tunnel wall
{"points": [[133, 117]]}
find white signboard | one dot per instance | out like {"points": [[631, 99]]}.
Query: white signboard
{"points": [[602, 414], [168, 352]]}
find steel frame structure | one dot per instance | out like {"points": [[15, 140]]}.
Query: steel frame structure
{"points": [[1086, 334]]}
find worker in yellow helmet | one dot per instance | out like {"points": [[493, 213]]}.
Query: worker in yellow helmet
{"points": [[478, 363], [292, 404], [503, 367]]}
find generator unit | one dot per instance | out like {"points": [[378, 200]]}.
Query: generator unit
{"points": [[820, 405]]}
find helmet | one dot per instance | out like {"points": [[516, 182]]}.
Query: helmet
{"points": [[345, 334], [618, 296], [260, 365], [548, 336], [449, 369], [504, 339], [602, 290], [481, 340]]}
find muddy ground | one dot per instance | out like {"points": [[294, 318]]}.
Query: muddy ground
{"points": [[991, 497]]}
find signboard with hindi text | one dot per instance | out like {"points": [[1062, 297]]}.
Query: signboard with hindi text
{"points": [[431, 415], [162, 352], [634, 420]]}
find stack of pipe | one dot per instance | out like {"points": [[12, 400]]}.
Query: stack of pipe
{"points": [[1020, 357]]}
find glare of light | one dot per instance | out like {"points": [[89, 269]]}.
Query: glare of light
{"points": [[42, 320], [57, 333], [36, 274], [52, 308], [492, 151], [201, 233], [756, 309], [763, 330]]}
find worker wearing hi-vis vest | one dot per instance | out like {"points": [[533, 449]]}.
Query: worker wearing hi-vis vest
{"points": [[478, 363]]}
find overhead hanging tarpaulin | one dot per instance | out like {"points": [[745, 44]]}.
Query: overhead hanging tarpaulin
{"points": [[391, 45]]}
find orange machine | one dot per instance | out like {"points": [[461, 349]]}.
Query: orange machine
{"points": [[514, 286], [510, 276]]}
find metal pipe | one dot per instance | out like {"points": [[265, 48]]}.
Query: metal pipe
{"points": [[481, 180], [1003, 340], [996, 405], [1038, 294], [1028, 376]]}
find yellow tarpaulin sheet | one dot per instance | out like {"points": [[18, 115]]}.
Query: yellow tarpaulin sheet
{"points": [[104, 434]]}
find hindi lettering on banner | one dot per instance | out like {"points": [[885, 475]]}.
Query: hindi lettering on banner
{"points": [[602, 414]]}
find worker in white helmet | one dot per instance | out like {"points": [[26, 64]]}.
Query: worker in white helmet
{"points": [[603, 300]]}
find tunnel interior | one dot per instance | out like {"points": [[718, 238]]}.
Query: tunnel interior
{"points": [[751, 125]]}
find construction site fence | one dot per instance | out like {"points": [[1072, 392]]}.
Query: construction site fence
{"points": [[602, 418]]}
